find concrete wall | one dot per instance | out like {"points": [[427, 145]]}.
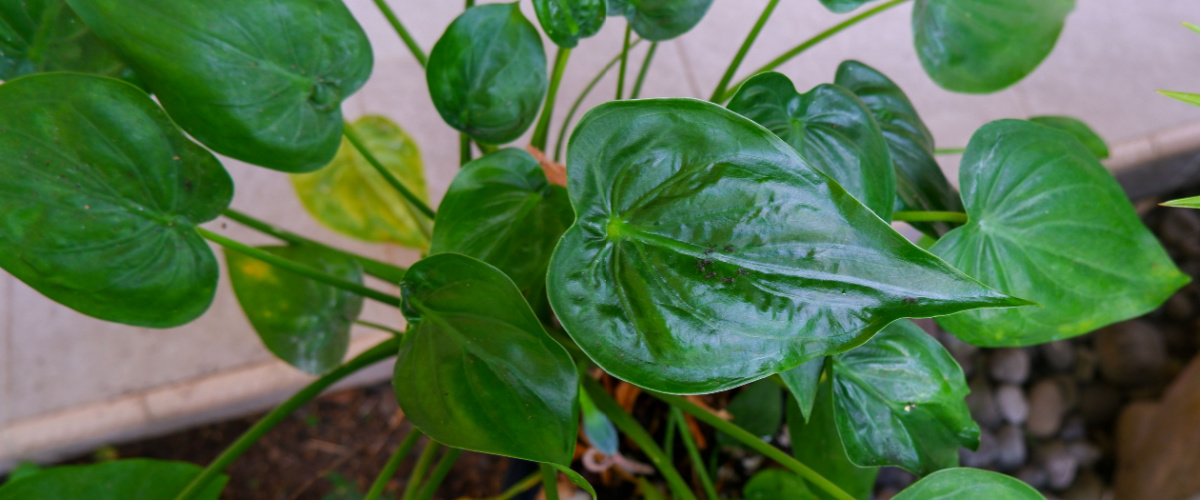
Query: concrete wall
{"points": [[68, 382]]}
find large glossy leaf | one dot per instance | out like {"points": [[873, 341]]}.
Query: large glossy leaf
{"points": [[101, 197], [982, 46], [477, 371], [920, 183], [843, 6], [829, 127], [1050, 224], [708, 254], [305, 323], [136, 479], [487, 74], [660, 20], [568, 21], [816, 443], [259, 80], [351, 197], [776, 484], [757, 409], [802, 382], [501, 209], [1079, 130], [899, 400], [969, 484], [37, 36]]}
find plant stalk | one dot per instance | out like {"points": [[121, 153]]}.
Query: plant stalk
{"points": [[369, 357], [549, 481], [694, 454], [741, 53], [755, 444], [641, 79], [950, 151], [412, 199], [378, 269], [393, 463], [957, 217], [464, 149], [516, 489], [377, 326], [542, 132], [807, 44], [632, 429], [418, 472], [400, 30], [624, 62], [299, 268], [562, 133], [440, 471]]}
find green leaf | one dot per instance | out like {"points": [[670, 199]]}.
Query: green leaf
{"points": [[1077, 129], [1193, 202], [920, 184], [660, 20], [966, 484], [38, 36], [101, 198], [1193, 99], [136, 479], [829, 127], [489, 90], [568, 21], [776, 484], [350, 197], [476, 370], [598, 428], [899, 400], [802, 382], [818, 445], [1049, 223], [576, 478], [981, 46], [799, 268], [843, 6], [23, 470], [305, 323], [501, 209], [758, 409], [258, 80]]}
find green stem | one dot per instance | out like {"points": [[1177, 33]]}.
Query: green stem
{"points": [[958, 217], [369, 357], [562, 133], [641, 79], [439, 473], [516, 489], [634, 431], [741, 54], [464, 149], [418, 472], [950, 151], [542, 132], [299, 268], [412, 199], [694, 454], [549, 481], [400, 30], [389, 469], [470, 3], [624, 61], [377, 326], [753, 442], [669, 440], [378, 269], [807, 44]]}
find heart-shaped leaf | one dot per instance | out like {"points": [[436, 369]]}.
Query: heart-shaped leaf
{"points": [[259, 80], [757, 409], [816, 443], [802, 382], [707, 254], [350, 197], [899, 400], [1079, 130], [101, 198], [981, 46], [38, 36], [829, 127], [476, 370], [568, 21], [843, 6], [963, 484], [1049, 223], [491, 91], [501, 209], [136, 479], [776, 484], [303, 322], [920, 183], [660, 20]]}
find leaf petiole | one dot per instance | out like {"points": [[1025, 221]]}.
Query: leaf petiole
{"points": [[741, 54], [411, 198], [542, 132], [957, 217], [641, 79], [562, 134], [624, 62], [393, 463], [402, 31]]}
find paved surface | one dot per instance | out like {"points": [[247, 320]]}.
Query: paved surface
{"points": [[61, 373]]}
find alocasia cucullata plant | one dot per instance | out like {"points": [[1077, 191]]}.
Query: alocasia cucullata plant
{"points": [[693, 247]]}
